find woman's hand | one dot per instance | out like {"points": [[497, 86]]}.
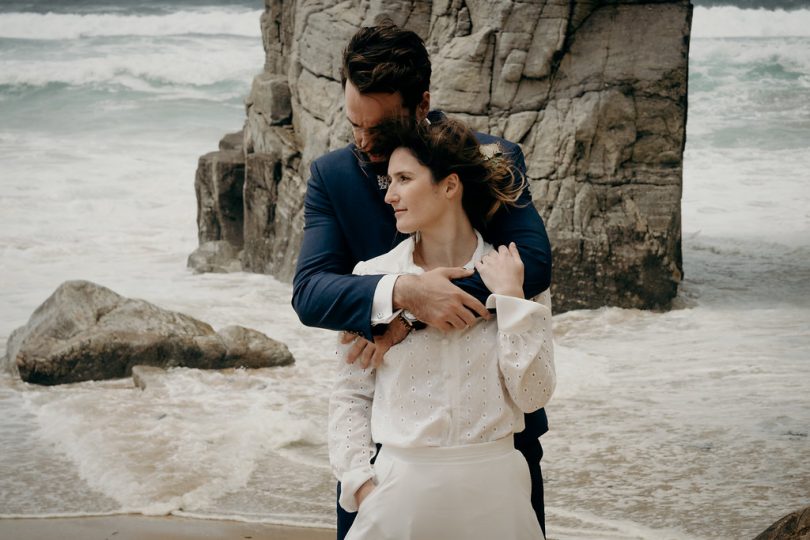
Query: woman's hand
{"points": [[371, 354], [364, 492], [502, 271]]}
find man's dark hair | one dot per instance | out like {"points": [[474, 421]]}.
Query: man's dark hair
{"points": [[386, 58]]}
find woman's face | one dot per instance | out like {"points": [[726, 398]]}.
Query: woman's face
{"points": [[417, 201]]}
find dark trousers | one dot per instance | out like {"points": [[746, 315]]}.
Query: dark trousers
{"points": [[527, 445]]}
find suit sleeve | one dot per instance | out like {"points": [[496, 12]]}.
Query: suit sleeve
{"points": [[522, 225], [325, 294]]}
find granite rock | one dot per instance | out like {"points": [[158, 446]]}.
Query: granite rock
{"points": [[595, 93], [270, 98], [794, 526], [218, 257], [84, 331], [218, 185]]}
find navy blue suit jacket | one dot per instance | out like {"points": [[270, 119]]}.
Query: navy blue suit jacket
{"points": [[347, 221]]}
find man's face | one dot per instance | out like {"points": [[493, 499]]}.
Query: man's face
{"points": [[366, 111]]}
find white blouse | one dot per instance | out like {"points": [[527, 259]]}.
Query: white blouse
{"points": [[441, 389]]}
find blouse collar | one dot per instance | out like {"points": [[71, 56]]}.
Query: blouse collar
{"points": [[477, 255]]}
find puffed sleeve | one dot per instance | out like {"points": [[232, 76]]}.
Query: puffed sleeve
{"points": [[350, 445], [525, 349]]}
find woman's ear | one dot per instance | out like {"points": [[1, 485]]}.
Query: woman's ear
{"points": [[451, 185]]}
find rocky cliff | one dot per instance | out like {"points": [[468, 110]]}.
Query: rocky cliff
{"points": [[594, 91]]}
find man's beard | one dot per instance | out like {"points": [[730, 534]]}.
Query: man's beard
{"points": [[380, 160], [380, 168]]}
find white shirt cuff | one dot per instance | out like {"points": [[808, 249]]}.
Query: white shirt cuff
{"points": [[350, 482], [513, 313], [382, 307]]}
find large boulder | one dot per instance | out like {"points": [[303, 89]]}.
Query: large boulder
{"points": [[794, 526], [84, 331], [594, 92]]}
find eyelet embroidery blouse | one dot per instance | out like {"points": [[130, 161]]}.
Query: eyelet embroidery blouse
{"points": [[441, 389]]}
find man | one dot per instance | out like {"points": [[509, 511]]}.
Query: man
{"points": [[386, 73]]}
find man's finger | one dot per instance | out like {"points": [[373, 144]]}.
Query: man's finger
{"points": [[457, 322], [474, 304], [355, 350], [368, 352], [442, 326], [346, 337], [456, 273], [467, 316], [377, 357]]}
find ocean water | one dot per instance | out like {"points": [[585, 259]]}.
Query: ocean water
{"points": [[689, 424]]}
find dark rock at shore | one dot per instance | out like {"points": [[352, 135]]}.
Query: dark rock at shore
{"points": [[273, 208], [794, 526], [594, 92], [219, 183], [232, 141], [217, 257], [248, 348], [84, 331]]}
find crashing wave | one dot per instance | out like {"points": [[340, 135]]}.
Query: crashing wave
{"points": [[52, 26], [719, 22]]}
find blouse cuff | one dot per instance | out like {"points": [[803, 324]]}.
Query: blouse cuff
{"points": [[513, 313], [350, 482]]}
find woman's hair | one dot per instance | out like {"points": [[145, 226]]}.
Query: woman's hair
{"points": [[449, 146]]}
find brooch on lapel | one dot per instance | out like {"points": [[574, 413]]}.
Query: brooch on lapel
{"points": [[383, 181]]}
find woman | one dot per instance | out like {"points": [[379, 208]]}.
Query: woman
{"points": [[445, 406]]}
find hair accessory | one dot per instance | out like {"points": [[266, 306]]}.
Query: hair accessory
{"points": [[490, 151]]}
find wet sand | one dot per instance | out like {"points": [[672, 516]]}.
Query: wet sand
{"points": [[137, 527]]}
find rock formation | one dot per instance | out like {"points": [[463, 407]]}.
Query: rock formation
{"points": [[84, 331], [595, 93], [218, 256], [794, 526]]}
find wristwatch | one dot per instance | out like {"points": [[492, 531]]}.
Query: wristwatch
{"points": [[410, 321]]}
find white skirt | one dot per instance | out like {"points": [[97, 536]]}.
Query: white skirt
{"points": [[474, 492]]}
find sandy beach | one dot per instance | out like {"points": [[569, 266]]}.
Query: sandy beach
{"points": [[137, 527]]}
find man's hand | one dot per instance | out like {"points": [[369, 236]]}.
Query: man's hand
{"points": [[371, 354], [364, 491], [502, 271], [434, 300]]}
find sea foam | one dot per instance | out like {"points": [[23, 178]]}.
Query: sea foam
{"points": [[735, 22], [188, 421], [195, 64], [52, 26]]}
